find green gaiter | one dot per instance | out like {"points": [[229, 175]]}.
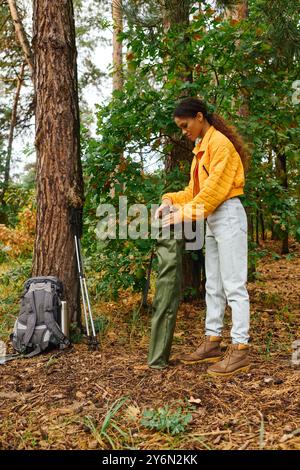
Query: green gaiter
{"points": [[166, 299]]}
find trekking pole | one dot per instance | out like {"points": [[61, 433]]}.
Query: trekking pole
{"points": [[92, 338], [81, 287]]}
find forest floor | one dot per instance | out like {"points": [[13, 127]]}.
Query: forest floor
{"points": [[80, 399]]}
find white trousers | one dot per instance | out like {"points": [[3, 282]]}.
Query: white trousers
{"points": [[226, 255]]}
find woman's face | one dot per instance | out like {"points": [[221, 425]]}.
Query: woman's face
{"points": [[191, 127]]}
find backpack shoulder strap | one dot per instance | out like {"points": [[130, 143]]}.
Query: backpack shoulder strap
{"points": [[31, 317], [37, 350]]}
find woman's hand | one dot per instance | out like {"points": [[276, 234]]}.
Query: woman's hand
{"points": [[166, 203], [173, 218]]}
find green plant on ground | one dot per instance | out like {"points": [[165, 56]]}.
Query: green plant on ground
{"points": [[275, 256], [101, 323], [28, 439], [101, 435], [136, 323], [270, 299], [265, 345], [167, 419], [290, 256]]}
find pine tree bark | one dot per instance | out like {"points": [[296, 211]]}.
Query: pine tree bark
{"points": [[59, 172]]}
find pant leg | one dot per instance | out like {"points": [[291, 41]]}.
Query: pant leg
{"points": [[229, 226], [215, 296], [166, 301]]}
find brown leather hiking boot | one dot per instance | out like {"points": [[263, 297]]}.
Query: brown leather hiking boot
{"points": [[236, 359], [208, 351]]}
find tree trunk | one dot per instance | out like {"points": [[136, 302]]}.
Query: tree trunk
{"points": [[59, 172], [240, 10], [21, 34], [117, 16], [282, 176], [262, 223], [13, 122], [275, 232], [176, 12], [176, 15], [117, 44]]}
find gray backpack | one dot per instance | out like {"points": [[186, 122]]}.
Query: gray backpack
{"points": [[37, 326]]}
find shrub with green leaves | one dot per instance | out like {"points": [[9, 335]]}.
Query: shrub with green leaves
{"points": [[167, 419]]}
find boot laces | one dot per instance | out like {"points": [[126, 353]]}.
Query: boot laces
{"points": [[229, 352]]}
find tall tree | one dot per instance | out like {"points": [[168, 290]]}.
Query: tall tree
{"points": [[117, 16], [59, 172], [176, 19]]}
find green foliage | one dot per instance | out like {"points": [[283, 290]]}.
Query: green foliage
{"points": [[228, 63], [11, 288], [18, 273], [168, 420], [17, 196], [116, 265]]}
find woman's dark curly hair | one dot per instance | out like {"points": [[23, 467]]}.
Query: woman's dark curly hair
{"points": [[190, 107]]}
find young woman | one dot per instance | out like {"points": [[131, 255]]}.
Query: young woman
{"points": [[217, 179]]}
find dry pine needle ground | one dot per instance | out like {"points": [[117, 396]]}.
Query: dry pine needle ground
{"points": [[60, 400]]}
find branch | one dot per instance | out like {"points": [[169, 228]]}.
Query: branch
{"points": [[21, 34], [4, 23]]}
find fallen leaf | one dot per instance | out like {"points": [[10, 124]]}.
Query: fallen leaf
{"points": [[196, 401], [133, 412], [268, 380], [93, 444], [218, 439], [142, 367], [44, 444], [286, 437], [59, 396]]}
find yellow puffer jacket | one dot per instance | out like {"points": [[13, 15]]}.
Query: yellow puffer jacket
{"points": [[220, 177]]}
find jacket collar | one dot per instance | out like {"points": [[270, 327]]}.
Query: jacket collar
{"points": [[202, 145]]}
